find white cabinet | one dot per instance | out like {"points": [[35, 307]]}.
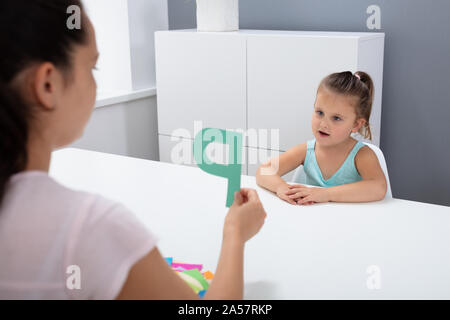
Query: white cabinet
{"points": [[285, 71], [257, 80], [200, 77]]}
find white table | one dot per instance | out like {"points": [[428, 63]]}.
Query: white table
{"points": [[303, 252]]}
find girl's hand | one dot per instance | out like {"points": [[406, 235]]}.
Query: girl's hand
{"points": [[281, 193], [305, 195]]}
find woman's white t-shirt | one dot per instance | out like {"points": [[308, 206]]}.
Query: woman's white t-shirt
{"points": [[57, 243]]}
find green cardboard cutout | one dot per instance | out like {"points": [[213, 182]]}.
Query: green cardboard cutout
{"points": [[230, 171]]}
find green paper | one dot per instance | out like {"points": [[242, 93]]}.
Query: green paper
{"points": [[231, 171], [193, 283], [194, 273]]}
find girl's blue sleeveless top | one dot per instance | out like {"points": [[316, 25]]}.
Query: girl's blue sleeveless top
{"points": [[347, 173]]}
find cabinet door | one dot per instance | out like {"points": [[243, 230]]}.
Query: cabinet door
{"points": [[200, 77], [179, 150], [283, 75]]}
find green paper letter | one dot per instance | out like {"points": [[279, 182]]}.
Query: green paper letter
{"points": [[231, 171]]}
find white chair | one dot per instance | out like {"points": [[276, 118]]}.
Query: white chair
{"points": [[300, 177]]}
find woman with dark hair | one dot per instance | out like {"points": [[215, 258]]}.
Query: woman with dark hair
{"points": [[47, 93]]}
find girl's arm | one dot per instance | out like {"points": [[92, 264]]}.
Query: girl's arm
{"points": [[269, 174], [372, 188]]}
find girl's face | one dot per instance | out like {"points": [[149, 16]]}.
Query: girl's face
{"points": [[65, 101], [334, 117], [76, 101]]}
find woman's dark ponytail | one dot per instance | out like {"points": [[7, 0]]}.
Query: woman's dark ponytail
{"points": [[13, 135], [31, 32]]}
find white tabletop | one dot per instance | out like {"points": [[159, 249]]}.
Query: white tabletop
{"points": [[321, 251]]}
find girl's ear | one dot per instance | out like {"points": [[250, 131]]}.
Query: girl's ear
{"points": [[46, 84], [358, 124]]}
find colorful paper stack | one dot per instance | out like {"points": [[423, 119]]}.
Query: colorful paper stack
{"points": [[191, 273]]}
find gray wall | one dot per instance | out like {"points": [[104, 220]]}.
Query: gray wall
{"points": [[415, 129]]}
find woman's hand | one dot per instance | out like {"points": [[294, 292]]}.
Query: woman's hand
{"points": [[152, 278], [245, 217], [305, 195], [282, 194]]}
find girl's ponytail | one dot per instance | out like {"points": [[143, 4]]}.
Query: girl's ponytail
{"points": [[366, 101]]}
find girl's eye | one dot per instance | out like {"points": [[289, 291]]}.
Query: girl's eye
{"points": [[319, 113], [336, 118]]}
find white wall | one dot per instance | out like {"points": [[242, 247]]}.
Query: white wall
{"points": [[110, 20], [145, 16], [130, 127]]}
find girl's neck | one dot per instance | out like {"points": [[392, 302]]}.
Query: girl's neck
{"points": [[337, 148], [39, 154]]}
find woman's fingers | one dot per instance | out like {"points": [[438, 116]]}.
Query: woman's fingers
{"points": [[238, 198], [251, 194], [246, 216]]}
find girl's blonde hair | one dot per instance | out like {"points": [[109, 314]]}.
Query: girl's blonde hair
{"points": [[359, 85]]}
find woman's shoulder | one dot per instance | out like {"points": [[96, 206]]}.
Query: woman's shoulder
{"points": [[78, 228], [37, 191]]}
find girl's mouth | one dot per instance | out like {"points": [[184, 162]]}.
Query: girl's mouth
{"points": [[324, 134]]}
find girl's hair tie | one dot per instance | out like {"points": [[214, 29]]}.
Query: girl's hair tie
{"points": [[357, 75]]}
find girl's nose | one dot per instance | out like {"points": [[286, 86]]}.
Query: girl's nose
{"points": [[323, 124]]}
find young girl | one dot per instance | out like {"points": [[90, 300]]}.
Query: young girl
{"points": [[47, 93], [347, 169]]}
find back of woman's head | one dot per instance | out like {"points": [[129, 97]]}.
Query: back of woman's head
{"points": [[31, 32], [359, 85]]}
